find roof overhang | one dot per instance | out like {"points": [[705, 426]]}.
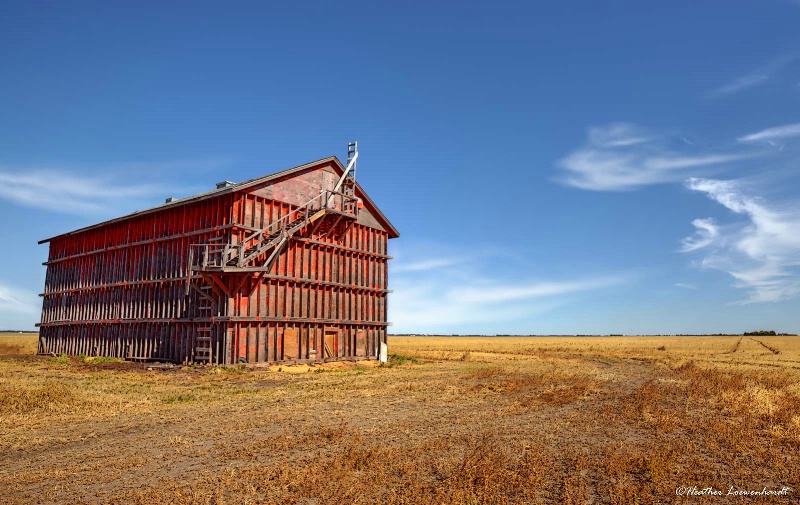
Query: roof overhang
{"points": [[242, 186]]}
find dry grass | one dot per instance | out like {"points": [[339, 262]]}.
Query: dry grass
{"points": [[18, 343], [733, 350], [450, 420]]}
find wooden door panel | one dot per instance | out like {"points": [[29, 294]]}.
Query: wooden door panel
{"points": [[291, 344], [361, 343]]}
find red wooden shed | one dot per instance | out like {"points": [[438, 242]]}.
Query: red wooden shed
{"points": [[289, 267]]}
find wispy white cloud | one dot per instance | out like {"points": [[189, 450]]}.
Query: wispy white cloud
{"points": [[427, 264], [18, 300], [67, 191], [705, 233], [762, 253], [420, 305], [754, 78], [457, 295], [771, 135], [742, 83], [19, 309], [622, 156], [430, 306], [505, 293], [685, 285], [618, 135]]}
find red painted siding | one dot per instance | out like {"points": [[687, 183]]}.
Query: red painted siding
{"points": [[122, 289]]}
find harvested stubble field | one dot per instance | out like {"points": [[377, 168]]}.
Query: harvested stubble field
{"points": [[448, 420]]}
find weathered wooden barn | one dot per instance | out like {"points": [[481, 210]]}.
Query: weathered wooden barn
{"points": [[289, 267]]}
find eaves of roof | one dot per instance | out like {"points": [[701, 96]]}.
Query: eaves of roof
{"points": [[393, 233]]}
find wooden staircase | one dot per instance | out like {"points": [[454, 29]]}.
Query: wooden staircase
{"points": [[224, 265], [261, 247]]}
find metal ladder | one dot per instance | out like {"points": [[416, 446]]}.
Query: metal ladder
{"points": [[350, 203], [205, 308], [352, 154]]}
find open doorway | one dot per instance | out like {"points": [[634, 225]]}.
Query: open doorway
{"points": [[331, 343]]}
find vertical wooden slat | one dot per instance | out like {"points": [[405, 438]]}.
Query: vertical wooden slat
{"points": [[143, 298]]}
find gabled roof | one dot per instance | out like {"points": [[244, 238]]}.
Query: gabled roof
{"points": [[368, 203]]}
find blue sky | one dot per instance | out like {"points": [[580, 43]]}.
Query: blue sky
{"points": [[553, 167]]}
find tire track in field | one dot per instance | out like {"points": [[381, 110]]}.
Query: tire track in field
{"points": [[770, 349], [735, 348]]}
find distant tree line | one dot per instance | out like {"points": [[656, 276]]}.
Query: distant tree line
{"points": [[767, 333]]}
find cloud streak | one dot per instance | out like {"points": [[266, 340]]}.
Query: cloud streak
{"points": [[742, 83], [623, 157], [770, 135], [18, 300], [454, 296], [19, 308], [67, 192], [761, 253], [429, 306], [428, 264], [506, 293], [755, 78]]}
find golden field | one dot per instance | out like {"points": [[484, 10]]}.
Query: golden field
{"points": [[466, 420], [17, 343]]}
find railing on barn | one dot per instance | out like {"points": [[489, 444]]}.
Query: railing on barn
{"points": [[215, 256]]}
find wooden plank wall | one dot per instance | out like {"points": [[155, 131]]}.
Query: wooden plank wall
{"points": [[317, 283], [119, 290]]}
